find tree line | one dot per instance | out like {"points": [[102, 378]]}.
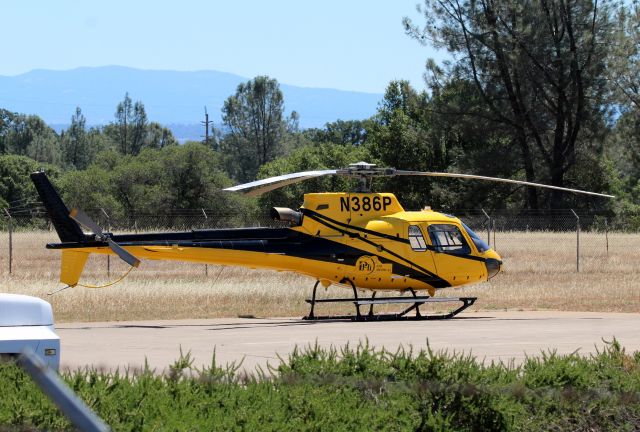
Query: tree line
{"points": [[542, 91]]}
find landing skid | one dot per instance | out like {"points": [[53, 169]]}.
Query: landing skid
{"points": [[414, 305]]}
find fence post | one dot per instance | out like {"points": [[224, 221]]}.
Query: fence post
{"points": [[494, 234], [108, 227], [577, 241], [606, 235], [206, 266], [10, 228], [488, 227]]}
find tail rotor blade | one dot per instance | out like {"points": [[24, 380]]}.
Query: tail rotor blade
{"points": [[123, 254], [83, 219]]}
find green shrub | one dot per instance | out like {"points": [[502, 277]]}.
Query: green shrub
{"points": [[351, 388]]}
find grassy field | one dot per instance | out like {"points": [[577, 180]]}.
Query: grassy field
{"points": [[540, 273]]}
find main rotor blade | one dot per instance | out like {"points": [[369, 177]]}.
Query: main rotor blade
{"points": [[497, 179], [83, 219], [123, 254], [259, 187]]}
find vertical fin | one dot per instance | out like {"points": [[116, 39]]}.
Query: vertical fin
{"points": [[68, 230]]}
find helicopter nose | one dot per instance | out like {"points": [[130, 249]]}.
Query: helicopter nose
{"points": [[493, 267]]}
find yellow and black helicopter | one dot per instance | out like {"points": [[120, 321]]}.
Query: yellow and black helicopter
{"points": [[360, 239]]}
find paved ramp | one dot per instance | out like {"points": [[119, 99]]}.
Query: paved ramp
{"points": [[488, 335]]}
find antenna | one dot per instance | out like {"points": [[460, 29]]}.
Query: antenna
{"points": [[206, 123]]}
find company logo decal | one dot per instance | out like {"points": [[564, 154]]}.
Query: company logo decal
{"points": [[369, 265]]}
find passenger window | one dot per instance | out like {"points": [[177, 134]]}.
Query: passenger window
{"points": [[416, 239], [448, 238]]}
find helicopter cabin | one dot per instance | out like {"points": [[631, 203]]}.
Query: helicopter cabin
{"points": [[373, 222], [381, 213]]}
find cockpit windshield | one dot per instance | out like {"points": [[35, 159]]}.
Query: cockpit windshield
{"points": [[481, 245]]}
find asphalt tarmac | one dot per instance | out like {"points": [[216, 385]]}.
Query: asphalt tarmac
{"points": [[486, 335]]}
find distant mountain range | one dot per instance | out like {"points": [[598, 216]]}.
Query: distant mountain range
{"points": [[173, 98]]}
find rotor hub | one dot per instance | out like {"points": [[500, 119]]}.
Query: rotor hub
{"points": [[364, 173]]}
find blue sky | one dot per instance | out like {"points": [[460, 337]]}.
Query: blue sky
{"points": [[349, 44]]}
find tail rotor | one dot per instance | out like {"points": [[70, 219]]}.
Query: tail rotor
{"points": [[83, 219]]}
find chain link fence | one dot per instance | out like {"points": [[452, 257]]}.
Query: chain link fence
{"points": [[546, 242], [560, 241]]}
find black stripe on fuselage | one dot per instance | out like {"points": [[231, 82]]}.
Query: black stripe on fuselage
{"points": [[266, 240], [376, 245], [316, 216]]}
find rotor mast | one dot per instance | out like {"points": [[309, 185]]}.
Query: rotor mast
{"points": [[364, 172]]}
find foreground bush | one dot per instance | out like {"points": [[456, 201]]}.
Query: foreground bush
{"points": [[350, 389]]}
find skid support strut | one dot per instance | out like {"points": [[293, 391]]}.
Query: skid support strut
{"points": [[413, 304]]}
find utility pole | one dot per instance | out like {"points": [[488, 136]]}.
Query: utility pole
{"points": [[206, 123]]}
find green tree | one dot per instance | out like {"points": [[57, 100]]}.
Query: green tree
{"points": [[75, 145], [401, 136], [397, 135], [138, 128], [624, 142], [132, 132], [98, 141], [28, 135], [461, 143], [6, 118], [538, 68], [352, 132], [120, 130], [45, 148], [91, 189], [136, 184], [158, 136], [16, 188], [129, 129], [624, 68], [624, 151], [256, 125], [155, 181], [194, 178]]}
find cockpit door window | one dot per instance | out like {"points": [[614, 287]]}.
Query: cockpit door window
{"points": [[449, 239], [416, 239]]}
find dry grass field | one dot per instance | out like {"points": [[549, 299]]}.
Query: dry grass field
{"points": [[540, 273]]}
